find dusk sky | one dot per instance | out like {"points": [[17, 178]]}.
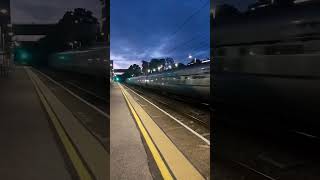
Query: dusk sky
{"points": [[144, 29], [48, 11], [140, 29]]}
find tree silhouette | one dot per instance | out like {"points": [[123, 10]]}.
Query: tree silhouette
{"points": [[79, 26], [76, 29], [132, 71]]}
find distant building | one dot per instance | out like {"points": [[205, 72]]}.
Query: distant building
{"points": [[119, 71], [5, 32]]}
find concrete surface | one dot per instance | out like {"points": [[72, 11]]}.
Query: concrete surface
{"points": [[90, 149], [28, 150], [128, 158]]}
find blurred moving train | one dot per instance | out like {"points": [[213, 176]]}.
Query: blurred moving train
{"points": [[192, 81], [267, 56], [92, 61]]}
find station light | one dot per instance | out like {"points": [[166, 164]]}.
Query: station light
{"points": [[62, 57], [117, 78], [24, 55], [3, 11]]}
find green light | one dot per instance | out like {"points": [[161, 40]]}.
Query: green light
{"points": [[24, 55]]}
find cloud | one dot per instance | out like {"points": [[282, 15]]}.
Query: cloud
{"points": [[121, 62], [141, 30], [43, 11]]}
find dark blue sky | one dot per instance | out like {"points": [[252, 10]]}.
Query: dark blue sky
{"points": [[144, 29]]}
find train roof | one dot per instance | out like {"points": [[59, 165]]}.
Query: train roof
{"points": [[83, 50]]}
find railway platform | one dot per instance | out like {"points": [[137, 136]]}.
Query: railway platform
{"points": [[29, 149], [41, 138], [148, 142]]}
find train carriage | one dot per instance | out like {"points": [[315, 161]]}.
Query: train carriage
{"points": [[266, 58], [93, 61], [193, 81]]}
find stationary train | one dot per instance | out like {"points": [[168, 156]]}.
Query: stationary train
{"points": [[268, 57], [93, 61], [192, 81]]}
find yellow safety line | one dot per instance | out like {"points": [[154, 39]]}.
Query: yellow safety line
{"points": [[80, 168], [154, 151]]}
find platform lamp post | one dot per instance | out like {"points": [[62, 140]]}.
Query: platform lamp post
{"points": [[3, 21], [5, 34]]}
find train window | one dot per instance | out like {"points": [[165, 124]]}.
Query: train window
{"points": [[198, 77], [284, 49]]}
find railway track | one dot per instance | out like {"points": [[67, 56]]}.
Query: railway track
{"points": [[84, 86], [195, 111]]}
